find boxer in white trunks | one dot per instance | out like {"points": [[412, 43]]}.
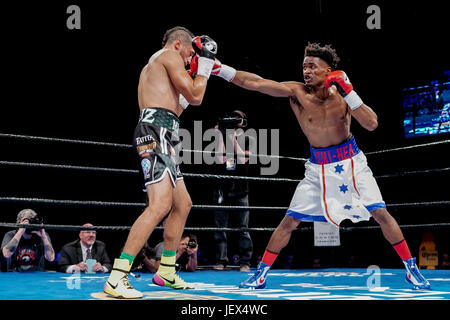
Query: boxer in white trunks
{"points": [[338, 184]]}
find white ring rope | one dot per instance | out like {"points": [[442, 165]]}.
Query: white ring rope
{"points": [[194, 175], [200, 207], [109, 144]]}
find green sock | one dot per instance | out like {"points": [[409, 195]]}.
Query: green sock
{"points": [[167, 264], [127, 256], [169, 253]]}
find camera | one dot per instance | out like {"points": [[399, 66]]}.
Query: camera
{"points": [[192, 243], [234, 120], [229, 122], [34, 220]]}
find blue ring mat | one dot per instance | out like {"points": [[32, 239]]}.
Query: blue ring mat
{"points": [[282, 284]]}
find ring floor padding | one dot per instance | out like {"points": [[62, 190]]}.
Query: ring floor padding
{"points": [[282, 284]]}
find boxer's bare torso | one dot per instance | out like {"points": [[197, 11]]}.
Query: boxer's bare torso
{"points": [[155, 88], [324, 121]]}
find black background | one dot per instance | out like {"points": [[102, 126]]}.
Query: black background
{"points": [[82, 84]]}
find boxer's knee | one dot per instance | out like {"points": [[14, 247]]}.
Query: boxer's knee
{"points": [[187, 205], [381, 216], [288, 224], [159, 208], [182, 205]]}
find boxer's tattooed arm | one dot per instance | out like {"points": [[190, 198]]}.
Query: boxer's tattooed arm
{"points": [[12, 245]]}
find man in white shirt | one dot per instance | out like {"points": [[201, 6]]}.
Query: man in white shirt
{"points": [[74, 254]]}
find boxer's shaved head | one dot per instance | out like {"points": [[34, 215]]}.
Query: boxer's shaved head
{"points": [[177, 33], [326, 53]]}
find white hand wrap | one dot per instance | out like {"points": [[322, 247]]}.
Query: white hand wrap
{"points": [[227, 72], [183, 102], [205, 66], [353, 100]]}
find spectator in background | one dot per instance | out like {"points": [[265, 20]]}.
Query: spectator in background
{"points": [[186, 256], [26, 249], [143, 262], [74, 254], [233, 192]]}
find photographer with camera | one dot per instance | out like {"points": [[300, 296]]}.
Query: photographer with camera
{"points": [[186, 256], [233, 192], [25, 249]]}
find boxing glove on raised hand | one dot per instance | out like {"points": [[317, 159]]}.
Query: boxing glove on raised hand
{"points": [[193, 66], [206, 48], [218, 69], [343, 85]]}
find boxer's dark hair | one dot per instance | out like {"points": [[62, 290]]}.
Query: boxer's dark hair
{"points": [[177, 33], [326, 53]]}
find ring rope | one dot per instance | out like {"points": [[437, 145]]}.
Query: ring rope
{"points": [[193, 175], [114, 170], [64, 166], [126, 228], [126, 204], [242, 155], [408, 226], [129, 146], [407, 173], [218, 176], [72, 202], [199, 207], [96, 143], [109, 144], [408, 147]]}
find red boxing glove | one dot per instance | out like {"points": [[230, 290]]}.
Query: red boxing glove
{"points": [[341, 81], [343, 85], [206, 48], [193, 66], [218, 69]]}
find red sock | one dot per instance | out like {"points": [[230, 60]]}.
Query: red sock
{"points": [[269, 257], [402, 250]]}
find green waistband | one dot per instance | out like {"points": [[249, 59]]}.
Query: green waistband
{"points": [[160, 117]]}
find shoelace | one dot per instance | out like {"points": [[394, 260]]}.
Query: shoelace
{"points": [[416, 273], [126, 282], [255, 276]]}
